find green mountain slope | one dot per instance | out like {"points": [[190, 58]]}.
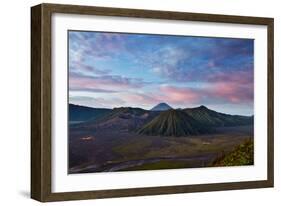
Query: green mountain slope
{"points": [[173, 123], [212, 118]]}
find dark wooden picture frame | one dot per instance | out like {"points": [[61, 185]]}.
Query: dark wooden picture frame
{"points": [[41, 117]]}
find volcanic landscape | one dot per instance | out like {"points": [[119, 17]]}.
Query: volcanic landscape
{"points": [[130, 139]]}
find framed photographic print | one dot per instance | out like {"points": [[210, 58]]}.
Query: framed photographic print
{"points": [[130, 102]]}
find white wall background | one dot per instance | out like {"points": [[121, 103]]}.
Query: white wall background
{"points": [[15, 102]]}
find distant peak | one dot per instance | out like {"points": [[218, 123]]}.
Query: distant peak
{"points": [[203, 107], [161, 107], [163, 103]]}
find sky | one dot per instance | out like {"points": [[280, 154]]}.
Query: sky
{"points": [[108, 70]]}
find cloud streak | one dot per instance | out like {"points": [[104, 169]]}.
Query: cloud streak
{"points": [[219, 93], [97, 101], [104, 83]]}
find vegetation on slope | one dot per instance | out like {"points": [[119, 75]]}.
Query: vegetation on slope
{"points": [[212, 118], [241, 155], [173, 123]]}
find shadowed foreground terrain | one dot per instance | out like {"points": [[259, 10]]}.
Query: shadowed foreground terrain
{"points": [[243, 154], [128, 139]]}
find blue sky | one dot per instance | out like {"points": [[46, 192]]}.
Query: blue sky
{"points": [[108, 70]]}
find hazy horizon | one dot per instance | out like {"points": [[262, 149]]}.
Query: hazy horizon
{"points": [[108, 70]]}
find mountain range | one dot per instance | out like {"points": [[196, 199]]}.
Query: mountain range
{"points": [[79, 113], [161, 120]]}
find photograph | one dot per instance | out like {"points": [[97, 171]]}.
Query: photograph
{"points": [[157, 101], [133, 102]]}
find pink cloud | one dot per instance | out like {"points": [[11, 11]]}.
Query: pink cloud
{"points": [[178, 95], [234, 93], [233, 87], [216, 92], [239, 77], [169, 94], [222, 91], [103, 83], [139, 98]]}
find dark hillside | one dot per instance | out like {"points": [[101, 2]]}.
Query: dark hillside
{"points": [[82, 113], [173, 123], [212, 118]]}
